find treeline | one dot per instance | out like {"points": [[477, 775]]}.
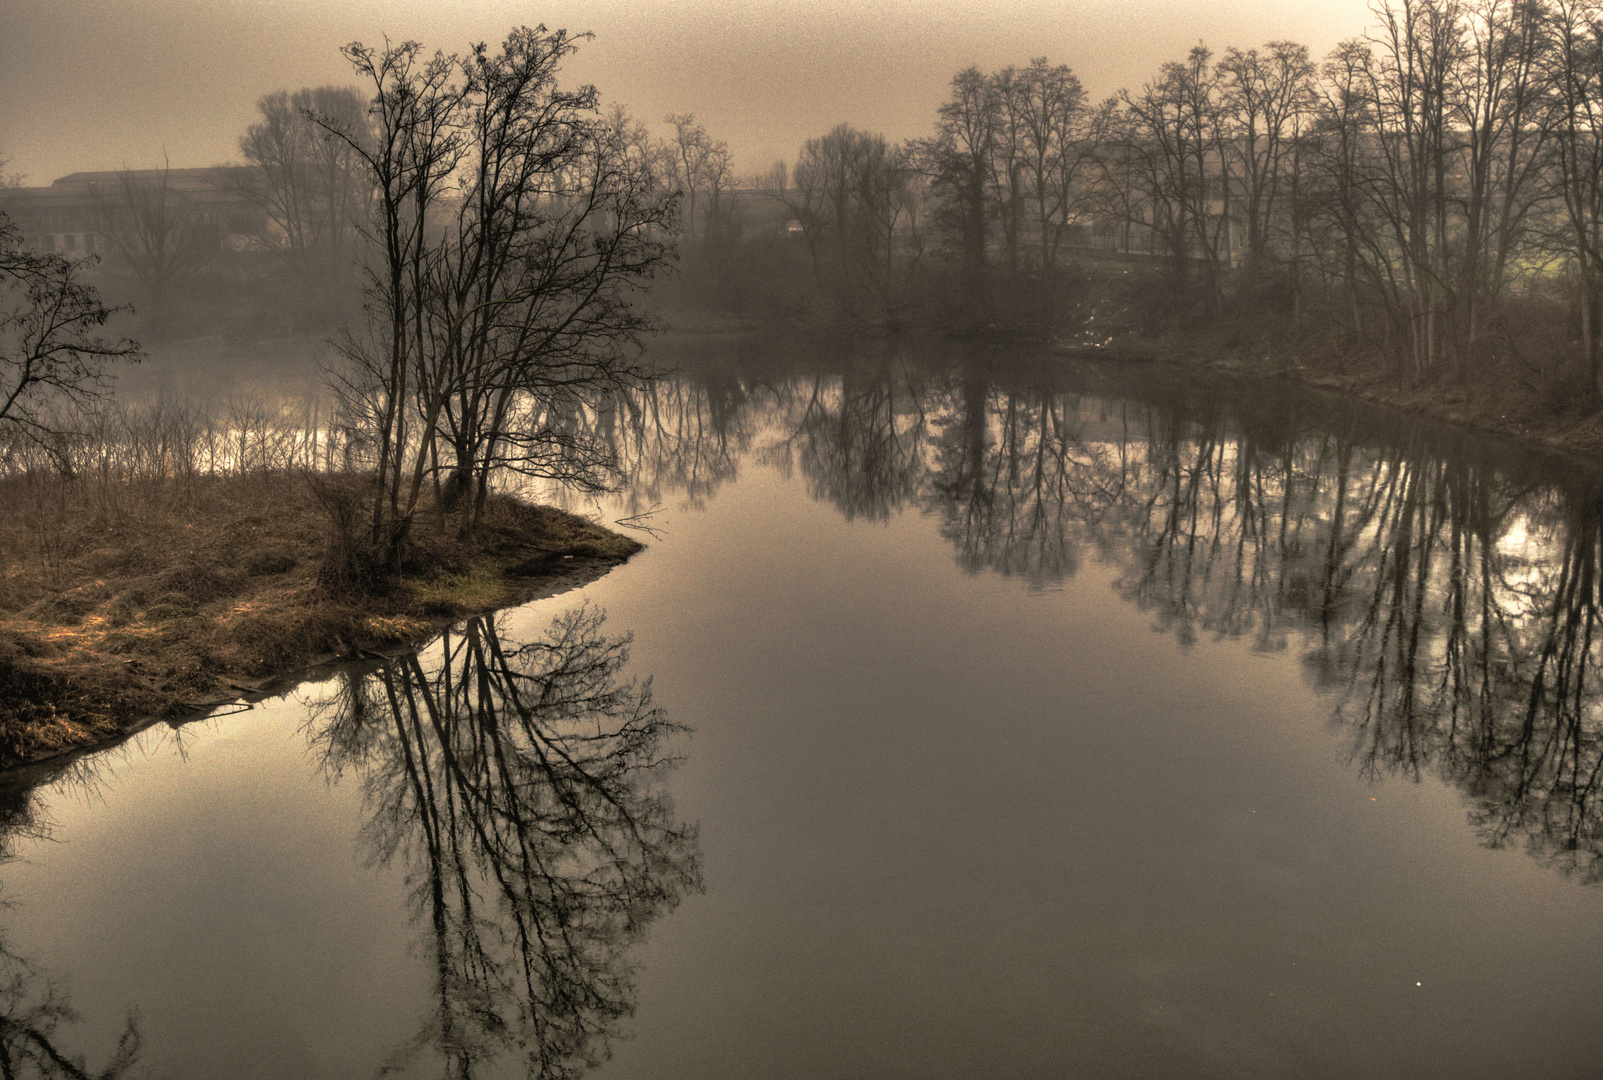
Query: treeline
{"points": [[1408, 188], [1429, 194]]}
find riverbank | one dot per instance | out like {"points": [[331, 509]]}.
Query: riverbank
{"points": [[1576, 434], [1526, 380], [195, 593], [1539, 411]]}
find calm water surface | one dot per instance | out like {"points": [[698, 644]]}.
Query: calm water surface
{"points": [[1047, 722]]}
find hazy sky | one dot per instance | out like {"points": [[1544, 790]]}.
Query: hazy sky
{"points": [[102, 84]]}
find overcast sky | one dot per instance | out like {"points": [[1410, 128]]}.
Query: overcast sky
{"points": [[103, 84]]}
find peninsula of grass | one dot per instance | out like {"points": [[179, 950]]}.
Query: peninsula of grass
{"points": [[124, 602]]}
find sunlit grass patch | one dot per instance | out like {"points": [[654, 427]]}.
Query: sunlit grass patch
{"points": [[479, 589], [394, 628]]}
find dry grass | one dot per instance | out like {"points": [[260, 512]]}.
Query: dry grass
{"points": [[161, 594]]}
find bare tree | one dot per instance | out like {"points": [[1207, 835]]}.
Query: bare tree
{"points": [[51, 350], [512, 226], [1419, 47], [410, 154], [1498, 104], [704, 167], [1173, 134], [564, 217], [958, 162], [1345, 238], [1266, 97], [859, 200], [775, 180], [1058, 148], [1576, 81], [1007, 162]]}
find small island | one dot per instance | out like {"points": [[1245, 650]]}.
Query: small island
{"points": [[222, 590]]}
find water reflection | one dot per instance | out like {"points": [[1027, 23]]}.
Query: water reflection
{"points": [[38, 1025], [677, 436], [859, 440], [517, 784], [1447, 596], [32, 1009]]}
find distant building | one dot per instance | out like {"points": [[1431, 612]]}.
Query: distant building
{"points": [[69, 216]]}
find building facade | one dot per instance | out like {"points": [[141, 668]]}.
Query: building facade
{"points": [[72, 214]]}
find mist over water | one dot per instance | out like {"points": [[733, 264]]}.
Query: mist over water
{"points": [[1036, 720]]}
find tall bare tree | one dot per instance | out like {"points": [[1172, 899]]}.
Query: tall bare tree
{"points": [[51, 348], [409, 152], [858, 198], [1576, 81], [958, 162], [512, 225], [1418, 47], [1499, 105], [1059, 146], [1267, 95], [705, 169], [1174, 131]]}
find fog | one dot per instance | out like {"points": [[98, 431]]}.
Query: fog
{"points": [[726, 539], [123, 82]]}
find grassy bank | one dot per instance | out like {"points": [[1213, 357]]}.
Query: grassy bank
{"points": [[1524, 378], [1539, 408], [157, 597], [1531, 413]]}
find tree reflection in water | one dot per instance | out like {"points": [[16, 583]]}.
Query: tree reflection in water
{"points": [[1453, 610], [518, 784], [33, 1008], [859, 441], [1448, 598]]}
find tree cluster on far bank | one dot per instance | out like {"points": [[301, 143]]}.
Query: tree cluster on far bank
{"points": [[1428, 198], [1409, 197]]}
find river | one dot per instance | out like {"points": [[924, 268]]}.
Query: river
{"points": [[969, 714]]}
